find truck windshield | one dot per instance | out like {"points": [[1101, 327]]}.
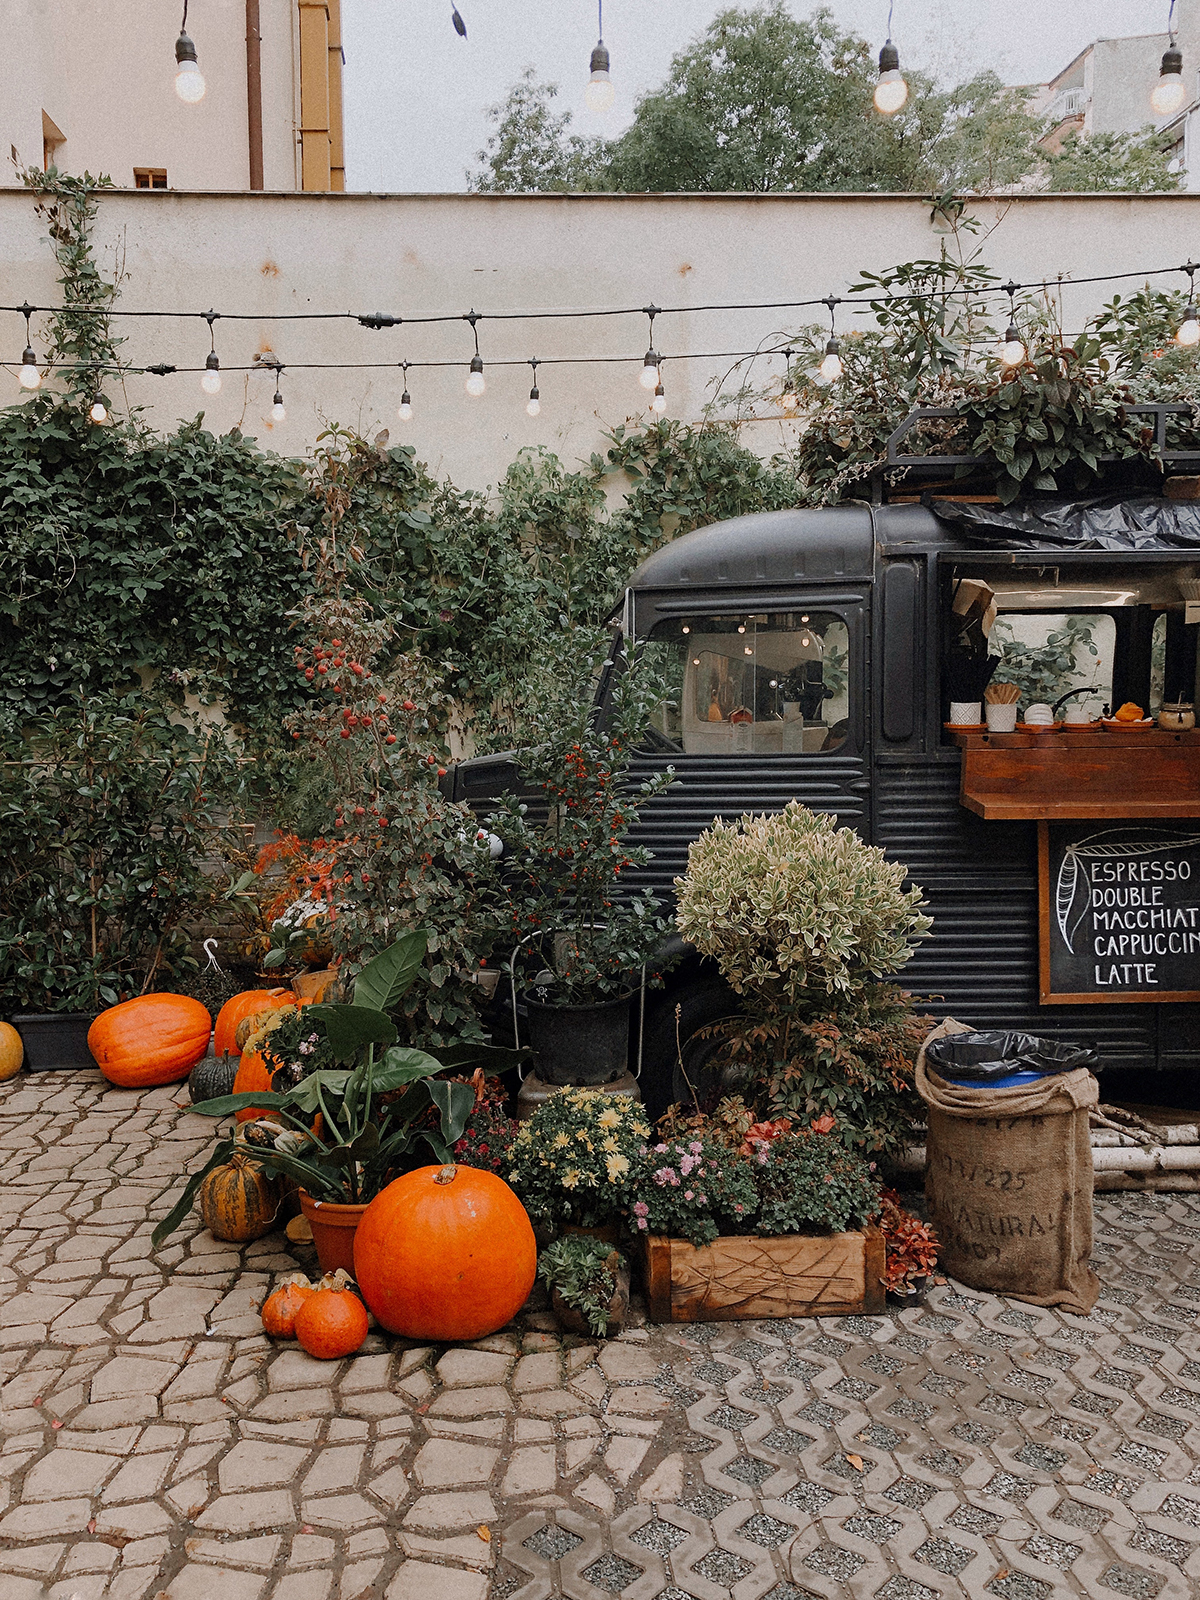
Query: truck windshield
{"points": [[762, 684], [1048, 654]]}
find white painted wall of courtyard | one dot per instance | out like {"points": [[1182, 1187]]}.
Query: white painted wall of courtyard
{"points": [[422, 254]]}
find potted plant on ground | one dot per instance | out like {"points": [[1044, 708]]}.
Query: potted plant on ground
{"points": [[581, 941], [344, 1130], [803, 920], [589, 1285], [104, 826], [572, 1162], [777, 1225]]}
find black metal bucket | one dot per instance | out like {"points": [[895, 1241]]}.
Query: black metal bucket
{"points": [[56, 1042], [581, 1046]]}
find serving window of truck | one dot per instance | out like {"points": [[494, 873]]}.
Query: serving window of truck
{"points": [[1104, 758]]}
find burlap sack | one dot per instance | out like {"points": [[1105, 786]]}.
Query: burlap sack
{"points": [[1009, 1184]]}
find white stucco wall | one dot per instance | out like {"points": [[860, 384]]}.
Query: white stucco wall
{"points": [[423, 254], [104, 72]]}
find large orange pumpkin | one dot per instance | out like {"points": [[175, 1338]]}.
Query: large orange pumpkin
{"points": [[157, 1038], [244, 1005], [445, 1253], [253, 1074]]}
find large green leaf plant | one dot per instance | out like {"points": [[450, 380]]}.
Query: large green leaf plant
{"points": [[374, 1107]]}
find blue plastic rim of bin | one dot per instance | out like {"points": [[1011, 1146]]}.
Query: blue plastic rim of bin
{"points": [[1012, 1080]]}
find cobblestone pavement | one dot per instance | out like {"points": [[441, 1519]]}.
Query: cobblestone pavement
{"points": [[156, 1444]]}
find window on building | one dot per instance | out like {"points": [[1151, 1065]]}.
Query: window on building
{"points": [[149, 177], [766, 684], [53, 139]]}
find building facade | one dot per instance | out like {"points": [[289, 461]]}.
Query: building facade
{"points": [[83, 93], [1106, 89]]}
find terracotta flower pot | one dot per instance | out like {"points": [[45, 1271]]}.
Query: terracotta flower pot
{"points": [[333, 1228]]}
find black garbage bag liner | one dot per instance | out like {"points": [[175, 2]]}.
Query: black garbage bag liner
{"points": [[1103, 522], [994, 1054]]}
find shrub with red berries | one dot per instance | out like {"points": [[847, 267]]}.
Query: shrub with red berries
{"points": [[393, 852]]}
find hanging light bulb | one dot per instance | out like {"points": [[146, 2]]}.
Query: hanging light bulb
{"points": [[1169, 92], [475, 380], [1011, 349], [659, 404], [278, 412], [831, 366], [210, 380], [29, 373], [404, 410], [650, 376], [535, 399], [1188, 332], [189, 80], [789, 399], [98, 411], [600, 93], [891, 91]]}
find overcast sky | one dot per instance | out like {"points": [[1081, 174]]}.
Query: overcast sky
{"points": [[416, 94]]}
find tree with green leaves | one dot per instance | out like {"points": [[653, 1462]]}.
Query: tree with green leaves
{"points": [[1120, 163], [530, 148], [763, 102]]}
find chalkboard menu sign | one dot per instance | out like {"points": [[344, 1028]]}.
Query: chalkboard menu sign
{"points": [[1119, 911]]}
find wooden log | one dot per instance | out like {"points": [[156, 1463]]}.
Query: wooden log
{"points": [[791, 1275]]}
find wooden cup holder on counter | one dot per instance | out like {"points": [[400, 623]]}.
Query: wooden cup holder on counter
{"points": [[1081, 772]]}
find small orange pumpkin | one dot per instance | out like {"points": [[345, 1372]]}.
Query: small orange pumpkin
{"points": [[252, 1074], [331, 1323], [243, 1005], [445, 1253], [281, 1308], [157, 1038]]}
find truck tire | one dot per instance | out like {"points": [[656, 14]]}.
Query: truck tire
{"points": [[704, 1001]]}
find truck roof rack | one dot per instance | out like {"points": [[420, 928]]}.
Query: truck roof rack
{"points": [[1160, 410]]}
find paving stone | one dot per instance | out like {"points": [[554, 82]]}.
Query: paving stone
{"points": [[446, 1463], [240, 1513], [531, 1470], [260, 1464], [419, 1580], [473, 1368], [62, 1474]]}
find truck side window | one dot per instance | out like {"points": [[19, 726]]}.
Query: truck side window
{"points": [[764, 684]]}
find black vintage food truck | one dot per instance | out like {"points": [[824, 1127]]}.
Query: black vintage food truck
{"points": [[807, 655]]}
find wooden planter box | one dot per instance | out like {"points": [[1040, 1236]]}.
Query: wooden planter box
{"points": [[792, 1275]]}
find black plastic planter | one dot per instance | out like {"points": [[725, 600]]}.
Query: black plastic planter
{"points": [[56, 1042], [583, 1046]]}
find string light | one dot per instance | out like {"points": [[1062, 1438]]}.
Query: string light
{"points": [[211, 380], [29, 374], [189, 80], [600, 93], [535, 399], [649, 375], [475, 379], [659, 403], [1012, 346], [1169, 92], [1189, 329], [278, 411], [831, 366], [404, 410], [98, 410], [891, 91]]}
